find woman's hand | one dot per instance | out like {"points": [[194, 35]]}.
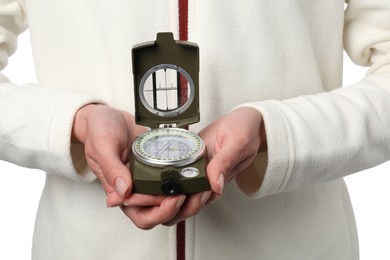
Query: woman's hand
{"points": [[232, 143], [107, 134]]}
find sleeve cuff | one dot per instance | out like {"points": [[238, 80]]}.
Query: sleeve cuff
{"points": [[37, 126], [277, 162], [73, 165]]}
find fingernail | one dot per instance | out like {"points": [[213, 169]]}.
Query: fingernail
{"points": [[180, 202], [221, 182], [127, 202], [205, 197], [108, 205], [121, 186], [112, 205]]}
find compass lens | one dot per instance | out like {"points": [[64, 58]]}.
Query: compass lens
{"points": [[166, 89]]}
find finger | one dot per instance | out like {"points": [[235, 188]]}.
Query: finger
{"points": [[148, 217], [214, 197], [135, 200], [115, 173], [220, 167], [192, 206], [114, 200], [143, 200]]}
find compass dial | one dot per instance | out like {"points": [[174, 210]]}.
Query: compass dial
{"points": [[168, 147]]}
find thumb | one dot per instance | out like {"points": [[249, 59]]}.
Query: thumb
{"points": [[221, 165], [116, 174]]}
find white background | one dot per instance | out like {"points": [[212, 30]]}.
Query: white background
{"points": [[21, 188]]}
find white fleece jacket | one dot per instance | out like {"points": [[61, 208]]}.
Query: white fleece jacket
{"points": [[282, 57]]}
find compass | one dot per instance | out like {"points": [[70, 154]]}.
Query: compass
{"points": [[168, 159]]}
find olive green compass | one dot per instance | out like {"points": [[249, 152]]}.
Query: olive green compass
{"points": [[167, 159]]}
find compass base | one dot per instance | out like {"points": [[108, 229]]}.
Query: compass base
{"points": [[169, 180]]}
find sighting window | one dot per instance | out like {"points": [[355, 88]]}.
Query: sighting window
{"points": [[166, 90]]}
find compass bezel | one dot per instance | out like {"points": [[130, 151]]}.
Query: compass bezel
{"points": [[196, 152]]}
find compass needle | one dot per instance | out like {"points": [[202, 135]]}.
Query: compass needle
{"points": [[168, 144]]}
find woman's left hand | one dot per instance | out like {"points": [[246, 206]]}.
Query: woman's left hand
{"points": [[232, 143]]}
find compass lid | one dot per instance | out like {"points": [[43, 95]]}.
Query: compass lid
{"points": [[166, 82]]}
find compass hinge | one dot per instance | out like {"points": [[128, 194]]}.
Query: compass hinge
{"points": [[167, 125]]}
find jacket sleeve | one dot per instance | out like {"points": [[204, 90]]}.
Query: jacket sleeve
{"points": [[316, 138], [36, 121]]}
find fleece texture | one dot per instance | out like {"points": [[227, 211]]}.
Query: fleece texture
{"points": [[283, 58]]}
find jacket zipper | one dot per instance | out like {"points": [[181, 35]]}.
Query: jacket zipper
{"points": [[183, 20], [183, 36]]}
